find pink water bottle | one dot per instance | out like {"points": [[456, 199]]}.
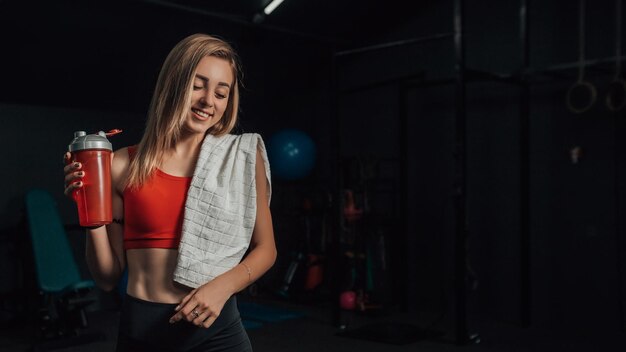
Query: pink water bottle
{"points": [[93, 199]]}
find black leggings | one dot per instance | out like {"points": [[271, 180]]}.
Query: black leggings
{"points": [[144, 326]]}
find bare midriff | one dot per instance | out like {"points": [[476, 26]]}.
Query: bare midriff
{"points": [[151, 273]]}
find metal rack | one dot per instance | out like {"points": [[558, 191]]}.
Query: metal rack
{"points": [[463, 75]]}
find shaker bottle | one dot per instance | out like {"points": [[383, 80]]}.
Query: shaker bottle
{"points": [[93, 199]]}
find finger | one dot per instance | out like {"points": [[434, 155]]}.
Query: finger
{"points": [[73, 176], [185, 300], [204, 315], [72, 167], [176, 317], [209, 321], [184, 312], [185, 307], [72, 187], [191, 316]]}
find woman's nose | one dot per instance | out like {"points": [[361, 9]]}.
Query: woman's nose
{"points": [[207, 99]]}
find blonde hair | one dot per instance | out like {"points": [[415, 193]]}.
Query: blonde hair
{"points": [[171, 102]]}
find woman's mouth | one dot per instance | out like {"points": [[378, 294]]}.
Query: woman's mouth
{"points": [[202, 115]]}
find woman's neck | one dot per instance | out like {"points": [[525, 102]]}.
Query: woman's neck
{"points": [[181, 159], [188, 145]]}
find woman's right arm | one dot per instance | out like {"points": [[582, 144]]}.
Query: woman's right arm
{"points": [[104, 251]]}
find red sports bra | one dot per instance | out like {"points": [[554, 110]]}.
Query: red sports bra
{"points": [[153, 213]]}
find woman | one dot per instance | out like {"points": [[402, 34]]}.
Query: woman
{"points": [[195, 102]]}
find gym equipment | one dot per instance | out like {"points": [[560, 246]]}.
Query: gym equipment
{"points": [[350, 211], [616, 96], [581, 84], [63, 293], [347, 300], [306, 268], [314, 265], [297, 260], [291, 153], [315, 272]]}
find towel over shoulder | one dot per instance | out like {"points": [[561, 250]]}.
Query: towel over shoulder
{"points": [[220, 210]]}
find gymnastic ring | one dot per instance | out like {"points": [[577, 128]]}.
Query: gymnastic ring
{"points": [[593, 94], [615, 86]]}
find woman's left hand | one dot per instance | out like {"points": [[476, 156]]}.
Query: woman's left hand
{"points": [[202, 305]]}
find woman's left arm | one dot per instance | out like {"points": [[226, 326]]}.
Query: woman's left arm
{"points": [[209, 299]]}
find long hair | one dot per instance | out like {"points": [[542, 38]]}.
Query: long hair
{"points": [[171, 102]]}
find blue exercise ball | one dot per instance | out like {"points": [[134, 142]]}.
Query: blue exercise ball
{"points": [[291, 153]]}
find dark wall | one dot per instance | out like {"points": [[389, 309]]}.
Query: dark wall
{"points": [[576, 228]]}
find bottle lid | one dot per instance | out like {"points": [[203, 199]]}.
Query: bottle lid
{"points": [[83, 141]]}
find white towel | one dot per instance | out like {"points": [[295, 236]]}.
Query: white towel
{"points": [[220, 210]]}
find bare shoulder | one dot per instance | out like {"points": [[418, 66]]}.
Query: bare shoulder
{"points": [[121, 159], [119, 166]]}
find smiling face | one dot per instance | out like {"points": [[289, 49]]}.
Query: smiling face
{"points": [[210, 96]]}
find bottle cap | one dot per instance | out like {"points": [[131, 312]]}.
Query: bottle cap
{"points": [[83, 141]]}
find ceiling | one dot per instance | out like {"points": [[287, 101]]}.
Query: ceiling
{"points": [[343, 22], [331, 21], [108, 53]]}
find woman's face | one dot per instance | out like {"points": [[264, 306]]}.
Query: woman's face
{"points": [[209, 98]]}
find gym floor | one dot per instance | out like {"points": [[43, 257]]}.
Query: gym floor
{"points": [[312, 331]]}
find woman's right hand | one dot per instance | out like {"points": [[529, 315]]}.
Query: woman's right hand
{"points": [[73, 175]]}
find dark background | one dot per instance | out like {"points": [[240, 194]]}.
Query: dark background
{"points": [[67, 66]]}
